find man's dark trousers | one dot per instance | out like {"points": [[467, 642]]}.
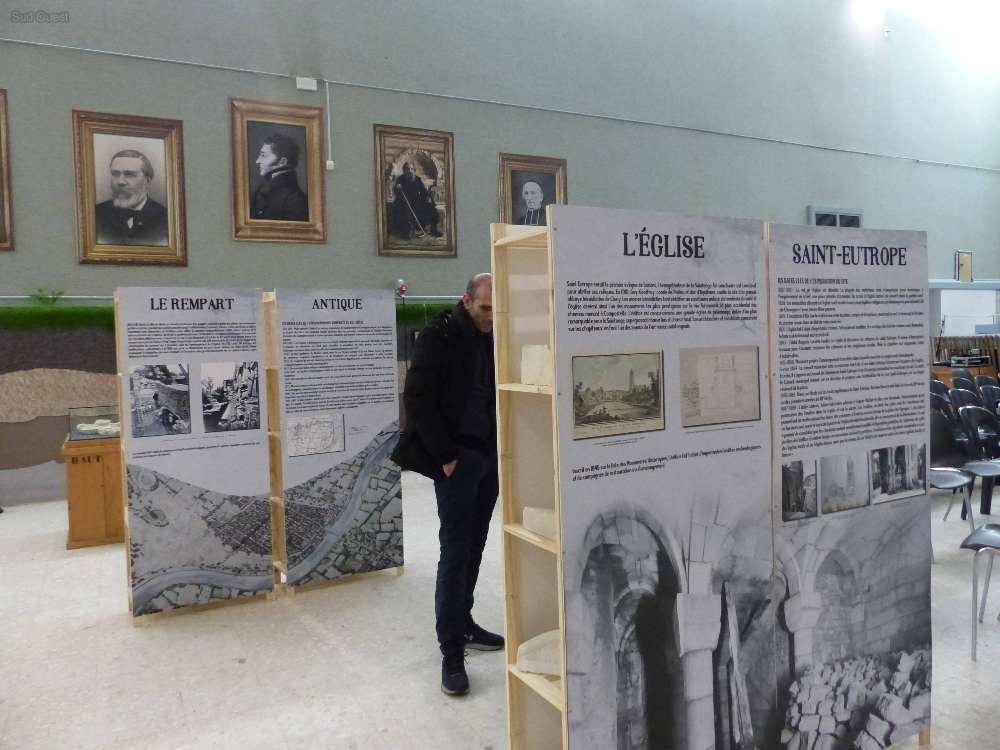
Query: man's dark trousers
{"points": [[465, 503]]}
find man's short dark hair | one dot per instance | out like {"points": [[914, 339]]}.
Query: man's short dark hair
{"points": [[477, 281], [283, 146], [131, 153]]}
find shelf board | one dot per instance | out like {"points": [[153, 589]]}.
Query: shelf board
{"points": [[543, 542], [548, 687], [535, 239], [545, 390]]}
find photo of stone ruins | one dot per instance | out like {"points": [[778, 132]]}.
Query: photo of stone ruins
{"points": [[682, 633]]}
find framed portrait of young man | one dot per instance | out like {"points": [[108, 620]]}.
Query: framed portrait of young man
{"points": [[129, 189], [414, 192], [6, 227], [527, 185], [277, 172]]}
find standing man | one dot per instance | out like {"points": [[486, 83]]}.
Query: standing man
{"points": [[279, 196], [131, 217], [534, 205], [450, 436]]}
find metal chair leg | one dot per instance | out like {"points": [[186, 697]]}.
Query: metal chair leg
{"points": [[948, 509], [968, 507], [986, 588], [975, 603]]}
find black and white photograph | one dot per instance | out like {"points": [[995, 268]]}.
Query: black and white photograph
{"points": [[798, 490], [130, 189], [131, 192], [414, 192], [230, 396], [160, 400], [856, 628], [843, 482], [898, 471], [617, 394], [6, 229], [670, 627], [719, 385], [527, 185], [277, 172]]}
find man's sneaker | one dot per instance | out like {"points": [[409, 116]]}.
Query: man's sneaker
{"points": [[482, 640], [454, 680]]}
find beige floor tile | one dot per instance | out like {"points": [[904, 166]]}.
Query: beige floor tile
{"points": [[349, 666]]}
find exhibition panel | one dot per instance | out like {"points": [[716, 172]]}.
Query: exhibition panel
{"points": [[198, 523], [690, 576], [850, 450], [660, 328], [339, 414]]}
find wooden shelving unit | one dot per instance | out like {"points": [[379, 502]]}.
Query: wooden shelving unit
{"points": [[526, 435]]}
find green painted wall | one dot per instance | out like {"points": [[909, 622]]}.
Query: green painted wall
{"points": [[783, 71]]}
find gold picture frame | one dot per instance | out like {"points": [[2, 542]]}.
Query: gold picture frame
{"points": [[278, 185], [516, 172], [414, 192], [6, 225], [129, 189]]}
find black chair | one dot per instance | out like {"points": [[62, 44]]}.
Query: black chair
{"points": [[937, 401], [982, 380], [965, 383], [960, 372], [944, 405], [947, 456], [991, 396], [939, 388], [983, 541], [983, 430], [961, 397]]}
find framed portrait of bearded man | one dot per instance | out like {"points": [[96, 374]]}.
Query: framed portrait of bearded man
{"points": [[129, 189], [415, 192]]}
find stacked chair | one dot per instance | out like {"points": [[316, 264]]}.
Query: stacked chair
{"points": [[955, 463]]}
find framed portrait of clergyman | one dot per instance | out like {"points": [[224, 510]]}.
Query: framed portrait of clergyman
{"points": [[527, 185], [277, 172], [6, 228], [129, 189], [414, 192]]}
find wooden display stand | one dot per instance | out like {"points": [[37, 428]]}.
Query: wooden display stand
{"points": [[94, 492], [529, 477], [526, 412], [272, 356]]}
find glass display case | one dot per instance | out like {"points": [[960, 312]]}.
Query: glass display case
{"points": [[93, 422]]}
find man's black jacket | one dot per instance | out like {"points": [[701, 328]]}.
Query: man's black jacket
{"points": [[437, 388], [279, 197]]}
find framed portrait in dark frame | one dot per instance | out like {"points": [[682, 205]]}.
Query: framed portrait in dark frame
{"points": [[6, 227], [278, 188], [414, 192], [527, 185], [129, 189]]}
